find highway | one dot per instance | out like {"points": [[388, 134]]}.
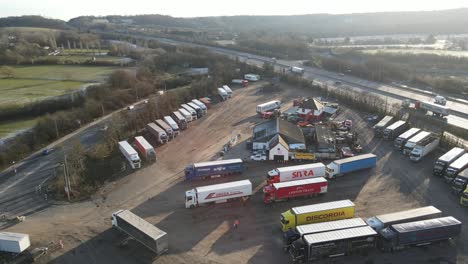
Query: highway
{"points": [[393, 94]]}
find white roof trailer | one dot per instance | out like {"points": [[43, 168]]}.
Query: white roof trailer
{"points": [[190, 110], [268, 106], [130, 154], [228, 90], [201, 105], [14, 242], [329, 226], [217, 193], [217, 162], [412, 142], [186, 114]]}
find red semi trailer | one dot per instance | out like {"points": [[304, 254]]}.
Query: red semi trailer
{"points": [[285, 190]]}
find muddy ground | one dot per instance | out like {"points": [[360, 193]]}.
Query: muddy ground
{"points": [[205, 235]]}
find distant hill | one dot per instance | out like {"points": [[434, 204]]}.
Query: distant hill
{"points": [[33, 21]]}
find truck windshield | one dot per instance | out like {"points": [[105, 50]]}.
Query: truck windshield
{"points": [[284, 221], [414, 155]]}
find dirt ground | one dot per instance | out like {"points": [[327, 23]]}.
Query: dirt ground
{"points": [[205, 234]]}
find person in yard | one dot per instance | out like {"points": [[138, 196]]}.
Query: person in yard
{"points": [[236, 223]]}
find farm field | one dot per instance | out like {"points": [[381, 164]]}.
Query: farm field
{"points": [[62, 72], [452, 53], [9, 127]]}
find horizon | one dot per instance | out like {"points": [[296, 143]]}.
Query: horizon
{"points": [[210, 8]]}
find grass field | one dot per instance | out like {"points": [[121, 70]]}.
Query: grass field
{"points": [[420, 51], [62, 72], [9, 127]]}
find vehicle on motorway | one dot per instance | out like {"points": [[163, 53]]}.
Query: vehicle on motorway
{"points": [[316, 213], [444, 161], [180, 119], [268, 106], [190, 110], [214, 168], [130, 154], [380, 222], [455, 167], [130, 107], [401, 140], [346, 152], [352, 164], [46, 151], [145, 148], [206, 101], [218, 193], [334, 243], [228, 90], [415, 140], [460, 182], [297, 70], [196, 108], [166, 127], [201, 105], [282, 191], [382, 124], [300, 231], [436, 109], [258, 157], [338, 83], [252, 77], [173, 125], [424, 232], [158, 132], [240, 82], [224, 95], [139, 229], [14, 242], [424, 147], [464, 197], [297, 172], [395, 129], [440, 100]]}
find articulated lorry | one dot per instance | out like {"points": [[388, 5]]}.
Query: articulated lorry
{"points": [[190, 110], [401, 140], [444, 161], [394, 130], [173, 125], [297, 172], [419, 233], [460, 182], [224, 95], [351, 164], [214, 168], [283, 191], [456, 167], [218, 193], [415, 140], [300, 231], [240, 82], [380, 222], [166, 127], [206, 101], [228, 90], [159, 133], [436, 109], [424, 147], [203, 107], [333, 244], [297, 70], [130, 154], [145, 148], [136, 227], [186, 114], [464, 197], [198, 109], [316, 213], [179, 119], [252, 77], [381, 125], [268, 106], [14, 242]]}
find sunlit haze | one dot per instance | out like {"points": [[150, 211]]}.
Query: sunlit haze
{"points": [[178, 8]]}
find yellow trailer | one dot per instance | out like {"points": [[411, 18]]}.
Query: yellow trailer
{"points": [[464, 197], [317, 213]]}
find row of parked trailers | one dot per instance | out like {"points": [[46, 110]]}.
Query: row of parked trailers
{"points": [[453, 168], [332, 231], [413, 142]]}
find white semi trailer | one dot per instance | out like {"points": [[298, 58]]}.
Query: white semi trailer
{"points": [[218, 193], [130, 154]]}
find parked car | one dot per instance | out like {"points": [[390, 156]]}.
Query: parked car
{"points": [[258, 157], [346, 152]]}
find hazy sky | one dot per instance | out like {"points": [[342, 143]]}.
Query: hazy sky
{"points": [[66, 9]]}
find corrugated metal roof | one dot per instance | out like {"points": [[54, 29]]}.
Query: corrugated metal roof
{"points": [[408, 214], [426, 224], [217, 162], [322, 206], [330, 226], [141, 224], [302, 167], [299, 182], [355, 158], [339, 234], [216, 187]]}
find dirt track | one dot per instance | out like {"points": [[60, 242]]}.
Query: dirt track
{"points": [[204, 235]]}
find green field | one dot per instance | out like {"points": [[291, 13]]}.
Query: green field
{"points": [[9, 127], [62, 72], [420, 51]]}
